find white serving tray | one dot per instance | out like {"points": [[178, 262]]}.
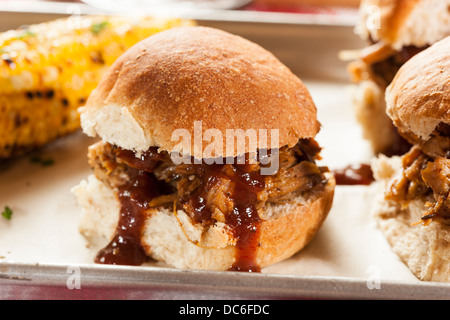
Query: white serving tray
{"points": [[41, 250]]}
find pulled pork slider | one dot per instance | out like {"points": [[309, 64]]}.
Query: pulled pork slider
{"points": [[395, 31], [221, 215], [414, 210]]}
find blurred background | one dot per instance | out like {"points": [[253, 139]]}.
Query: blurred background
{"points": [[292, 6], [296, 31]]}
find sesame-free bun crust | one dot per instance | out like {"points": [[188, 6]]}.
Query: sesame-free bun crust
{"points": [[400, 23], [171, 236], [418, 99], [176, 77]]}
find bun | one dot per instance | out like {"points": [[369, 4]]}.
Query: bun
{"points": [[216, 216], [171, 237], [395, 31], [188, 74], [370, 112], [418, 98], [423, 248], [401, 23]]}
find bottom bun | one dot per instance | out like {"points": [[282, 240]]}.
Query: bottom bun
{"points": [[171, 237], [425, 249]]}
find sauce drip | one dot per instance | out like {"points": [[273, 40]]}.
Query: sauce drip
{"points": [[360, 174], [134, 196], [243, 219], [125, 247]]}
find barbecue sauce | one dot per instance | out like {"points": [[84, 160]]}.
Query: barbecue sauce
{"points": [[243, 219], [125, 247], [134, 196], [360, 174]]}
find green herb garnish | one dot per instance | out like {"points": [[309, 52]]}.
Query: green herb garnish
{"points": [[26, 33], [7, 213], [98, 27], [45, 162]]}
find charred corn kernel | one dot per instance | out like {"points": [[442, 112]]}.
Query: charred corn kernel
{"points": [[48, 70]]}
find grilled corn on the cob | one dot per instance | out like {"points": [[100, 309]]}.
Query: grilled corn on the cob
{"points": [[48, 70]]}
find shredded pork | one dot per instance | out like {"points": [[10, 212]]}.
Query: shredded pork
{"points": [[296, 175], [426, 175]]}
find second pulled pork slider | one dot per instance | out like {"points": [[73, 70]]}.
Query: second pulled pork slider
{"points": [[224, 215], [395, 31], [414, 211]]}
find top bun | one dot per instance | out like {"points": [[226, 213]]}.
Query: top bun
{"points": [[418, 99], [401, 23], [186, 74]]}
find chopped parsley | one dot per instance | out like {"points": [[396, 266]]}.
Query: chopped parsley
{"points": [[7, 213], [45, 162], [98, 27], [25, 34]]}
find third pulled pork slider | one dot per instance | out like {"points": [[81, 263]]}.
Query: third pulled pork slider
{"points": [[395, 31], [414, 212], [221, 215]]}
